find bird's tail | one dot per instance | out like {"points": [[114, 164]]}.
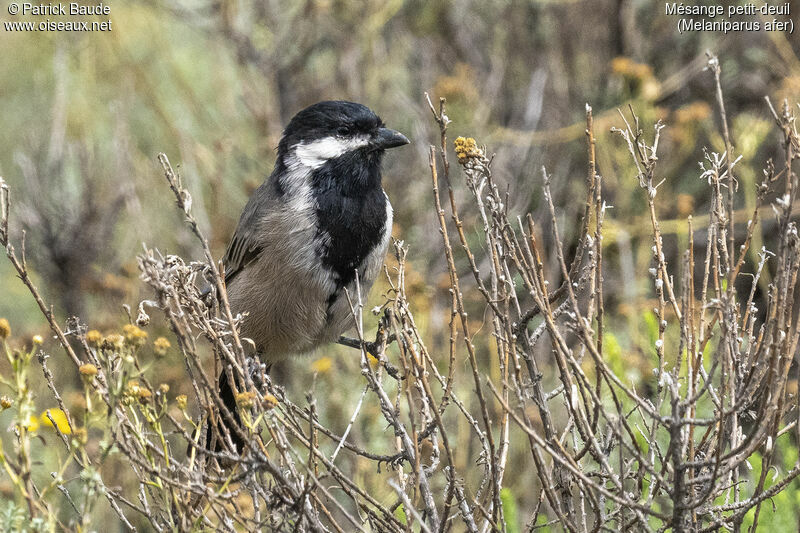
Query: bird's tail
{"points": [[214, 438]]}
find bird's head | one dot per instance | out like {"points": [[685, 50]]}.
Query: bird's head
{"points": [[329, 130]]}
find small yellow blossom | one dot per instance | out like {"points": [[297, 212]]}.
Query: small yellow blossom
{"points": [[270, 402], [466, 148], [132, 388], [134, 336], [113, 342], [38, 340], [694, 112], [6, 402], [628, 67], [144, 395], [322, 365], [5, 329], [94, 338], [160, 346], [88, 371], [246, 399], [181, 400], [59, 417], [163, 388]]}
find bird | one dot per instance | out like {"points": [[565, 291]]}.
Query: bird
{"points": [[318, 226]]}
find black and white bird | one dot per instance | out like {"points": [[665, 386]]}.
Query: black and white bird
{"points": [[316, 222]]}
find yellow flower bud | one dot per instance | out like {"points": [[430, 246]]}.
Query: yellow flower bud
{"points": [[270, 402], [144, 395], [113, 342], [5, 329], [160, 346], [132, 388], [181, 400], [134, 336], [322, 365], [94, 338], [38, 340], [246, 399], [6, 402], [466, 148], [88, 371]]}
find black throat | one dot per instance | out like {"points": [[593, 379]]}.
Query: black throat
{"points": [[351, 210]]}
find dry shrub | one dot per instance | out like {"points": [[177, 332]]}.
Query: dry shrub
{"points": [[594, 452]]}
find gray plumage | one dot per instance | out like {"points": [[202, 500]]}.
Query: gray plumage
{"points": [[285, 288], [304, 231]]}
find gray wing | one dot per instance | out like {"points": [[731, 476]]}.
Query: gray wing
{"points": [[245, 246]]}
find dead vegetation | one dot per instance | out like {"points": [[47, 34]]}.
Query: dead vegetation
{"points": [[699, 452]]}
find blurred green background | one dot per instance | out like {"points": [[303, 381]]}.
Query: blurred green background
{"points": [[211, 84]]}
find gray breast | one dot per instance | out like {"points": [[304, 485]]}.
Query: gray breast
{"points": [[293, 302]]}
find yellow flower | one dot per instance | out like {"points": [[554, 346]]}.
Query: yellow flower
{"points": [[6, 402], [181, 400], [322, 365], [144, 395], [270, 402], [94, 338], [466, 148], [59, 417], [33, 424], [134, 336], [246, 399], [38, 340], [628, 67], [5, 329], [132, 389], [694, 112], [163, 388], [88, 371], [113, 342], [160, 346]]}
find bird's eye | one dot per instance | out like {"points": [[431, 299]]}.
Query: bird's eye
{"points": [[343, 130]]}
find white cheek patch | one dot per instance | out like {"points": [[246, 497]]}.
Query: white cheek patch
{"points": [[317, 153]]}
